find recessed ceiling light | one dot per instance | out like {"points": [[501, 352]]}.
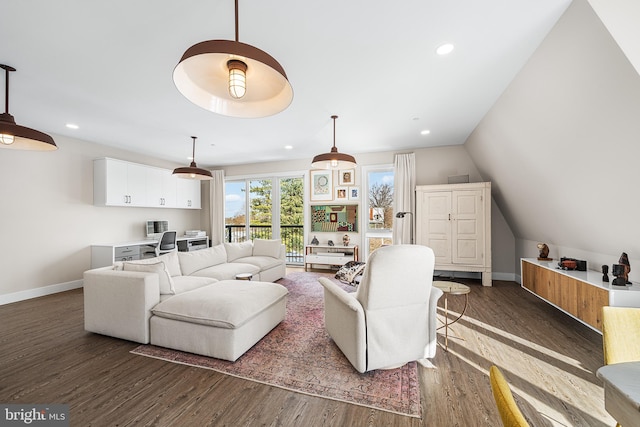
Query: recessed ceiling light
{"points": [[425, 132], [444, 49], [72, 126], [288, 147]]}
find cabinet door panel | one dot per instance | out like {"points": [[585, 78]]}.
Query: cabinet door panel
{"points": [[435, 232], [116, 183], [468, 219]]}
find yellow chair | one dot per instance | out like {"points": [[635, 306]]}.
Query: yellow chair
{"points": [[620, 334], [509, 411]]}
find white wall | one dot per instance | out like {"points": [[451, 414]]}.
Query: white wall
{"points": [[48, 220], [561, 146]]}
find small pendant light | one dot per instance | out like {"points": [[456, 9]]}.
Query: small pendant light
{"points": [[233, 78], [193, 171], [19, 137], [333, 159]]}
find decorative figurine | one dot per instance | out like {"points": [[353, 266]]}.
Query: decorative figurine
{"points": [[605, 271], [315, 241], [345, 240], [624, 260], [544, 252], [330, 243]]}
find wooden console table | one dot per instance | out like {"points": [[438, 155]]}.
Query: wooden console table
{"points": [[580, 294]]}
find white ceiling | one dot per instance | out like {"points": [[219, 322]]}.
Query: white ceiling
{"points": [[107, 67]]}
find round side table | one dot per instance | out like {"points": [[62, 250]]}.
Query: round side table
{"points": [[244, 276], [451, 288]]}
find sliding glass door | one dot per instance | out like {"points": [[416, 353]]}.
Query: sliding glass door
{"points": [[266, 208]]}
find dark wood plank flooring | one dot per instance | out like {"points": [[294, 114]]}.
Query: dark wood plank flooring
{"points": [[548, 358]]}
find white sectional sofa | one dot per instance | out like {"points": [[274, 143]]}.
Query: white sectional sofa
{"points": [[191, 301]]}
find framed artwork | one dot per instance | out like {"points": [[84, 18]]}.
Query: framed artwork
{"points": [[354, 193], [321, 185], [347, 177], [333, 217], [342, 193]]}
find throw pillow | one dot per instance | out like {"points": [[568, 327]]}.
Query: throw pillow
{"points": [[348, 272], [263, 247], [238, 250], [166, 284]]}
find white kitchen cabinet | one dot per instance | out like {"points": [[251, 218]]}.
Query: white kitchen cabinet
{"points": [[188, 193], [161, 188], [121, 183], [455, 221]]}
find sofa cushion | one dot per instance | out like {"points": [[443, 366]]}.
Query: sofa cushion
{"points": [[227, 271], [227, 304], [262, 262], [171, 261], [187, 283], [191, 262], [166, 283], [238, 250], [263, 247]]}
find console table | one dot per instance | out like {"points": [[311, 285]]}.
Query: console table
{"points": [[103, 255], [329, 255], [580, 294]]}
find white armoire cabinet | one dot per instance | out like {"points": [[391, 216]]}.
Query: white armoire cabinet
{"points": [[455, 221]]}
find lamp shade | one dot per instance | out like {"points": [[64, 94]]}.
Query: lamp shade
{"points": [[19, 137], [193, 171], [233, 78], [333, 159]]}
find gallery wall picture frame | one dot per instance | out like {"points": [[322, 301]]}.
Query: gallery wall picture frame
{"points": [[347, 177], [354, 193], [321, 185], [342, 193]]}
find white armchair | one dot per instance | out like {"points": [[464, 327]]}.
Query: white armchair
{"points": [[391, 319]]}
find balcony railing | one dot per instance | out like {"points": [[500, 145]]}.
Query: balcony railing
{"points": [[291, 235]]}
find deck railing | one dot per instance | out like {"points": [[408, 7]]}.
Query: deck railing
{"points": [[292, 236]]}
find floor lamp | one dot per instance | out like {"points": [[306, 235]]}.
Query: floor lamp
{"points": [[402, 215]]}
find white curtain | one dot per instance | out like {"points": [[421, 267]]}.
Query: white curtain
{"points": [[404, 197], [216, 206]]}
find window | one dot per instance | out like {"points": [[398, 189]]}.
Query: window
{"points": [[275, 211], [378, 204]]}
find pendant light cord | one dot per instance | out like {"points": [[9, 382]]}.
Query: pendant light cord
{"points": [[193, 155], [334, 130], [237, 37], [6, 90]]}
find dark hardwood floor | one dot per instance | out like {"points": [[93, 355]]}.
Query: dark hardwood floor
{"points": [[548, 358]]}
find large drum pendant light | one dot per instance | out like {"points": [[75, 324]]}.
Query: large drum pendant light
{"points": [[20, 137], [333, 159], [193, 171], [233, 78]]}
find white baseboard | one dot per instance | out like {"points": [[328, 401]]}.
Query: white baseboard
{"points": [[40, 292]]}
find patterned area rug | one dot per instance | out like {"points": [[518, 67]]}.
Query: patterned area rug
{"points": [[299, 355]]}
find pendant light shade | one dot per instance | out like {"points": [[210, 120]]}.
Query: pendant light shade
{"points": [[193, 171], [233, 78], [333, 159], [16, 136]]}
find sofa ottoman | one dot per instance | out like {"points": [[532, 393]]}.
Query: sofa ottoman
{"points": [[221, 320]]}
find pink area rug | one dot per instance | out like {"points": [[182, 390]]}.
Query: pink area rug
{"points": [[299, 355]]}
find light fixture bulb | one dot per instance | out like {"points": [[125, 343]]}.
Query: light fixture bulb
{"points": [[6, 139], [334, 163], [193, 175], [237, 78]]}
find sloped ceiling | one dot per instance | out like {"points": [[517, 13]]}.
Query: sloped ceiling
{"points": [[561, 144]]}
